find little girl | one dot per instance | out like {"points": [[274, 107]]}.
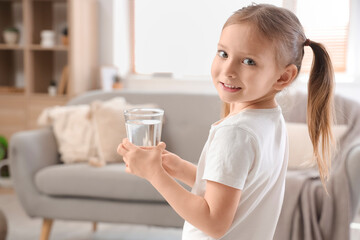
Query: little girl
{"points": [[238, 185]]}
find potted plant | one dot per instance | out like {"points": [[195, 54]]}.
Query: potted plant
{"points": [[11, 35], [52, 89], [65, 37], [4, 170]]}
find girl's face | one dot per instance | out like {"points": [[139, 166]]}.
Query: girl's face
{"points": [[244, 69]]}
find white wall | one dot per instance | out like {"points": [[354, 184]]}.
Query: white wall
{"points": [[106, 39]]}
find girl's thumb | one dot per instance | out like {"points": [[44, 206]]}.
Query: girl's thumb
{"points": [[161, 146]]}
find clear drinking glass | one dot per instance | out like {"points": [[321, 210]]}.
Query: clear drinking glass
{"points": [[144, 125]]}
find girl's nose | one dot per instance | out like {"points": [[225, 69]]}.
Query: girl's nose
{"points": [[230, 69]]}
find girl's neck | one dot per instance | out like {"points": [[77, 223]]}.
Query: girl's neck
{"points": [[238, 107]]}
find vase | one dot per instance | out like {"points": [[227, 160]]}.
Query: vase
{"points": [[47, 38], [65, 40], [10, 37]]}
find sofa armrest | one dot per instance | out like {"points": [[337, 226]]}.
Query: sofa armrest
{"points": [[29, 152], [353, 169]]}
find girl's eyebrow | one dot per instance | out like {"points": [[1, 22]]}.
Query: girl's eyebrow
{"points": [[220, 45], [248, 54]]}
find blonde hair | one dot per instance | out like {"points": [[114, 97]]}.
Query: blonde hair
{"points": [[283, 28]]}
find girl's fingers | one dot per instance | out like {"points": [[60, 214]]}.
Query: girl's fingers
{"points": [[125, 161], [146, 148], [121, 149], [161, 146], [127, 144]]}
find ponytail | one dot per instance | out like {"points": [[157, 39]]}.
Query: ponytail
{"points": [[320, 108]]}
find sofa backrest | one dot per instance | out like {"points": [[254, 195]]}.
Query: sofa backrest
{"points": [[187, 116], [294, 105]]}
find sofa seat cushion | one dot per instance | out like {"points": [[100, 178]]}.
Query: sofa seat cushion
{"points": [[107, 182]]}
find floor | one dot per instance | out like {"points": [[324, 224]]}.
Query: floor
{"points": [[21, 227]]}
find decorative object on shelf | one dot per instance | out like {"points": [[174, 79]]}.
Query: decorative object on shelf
{"points": [[52, 89], [65, 37], [11, 35], [47, 38], [63, 81], [107, 74], [117, 84], [4, 169]]}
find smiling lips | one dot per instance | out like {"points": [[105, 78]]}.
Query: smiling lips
{"points": [[230, 88]]}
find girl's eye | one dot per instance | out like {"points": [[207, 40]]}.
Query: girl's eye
{"points": [[248, 61], [222, 54]]}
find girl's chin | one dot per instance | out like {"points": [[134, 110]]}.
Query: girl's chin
{"points": [[228, 99]]}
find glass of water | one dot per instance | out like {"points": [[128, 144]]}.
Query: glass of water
{"points": [[143, 126]]}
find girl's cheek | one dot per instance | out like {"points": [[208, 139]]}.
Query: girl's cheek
{"points": [[215, 68]]}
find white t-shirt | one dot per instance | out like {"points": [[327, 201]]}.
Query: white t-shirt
{"points": [[247, 151]]}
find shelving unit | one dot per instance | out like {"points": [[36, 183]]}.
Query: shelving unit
{"points": [[11, 56], [27, 67]]}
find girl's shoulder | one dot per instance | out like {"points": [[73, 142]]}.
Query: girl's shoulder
{"points": [[253, 123], [232, 131]]}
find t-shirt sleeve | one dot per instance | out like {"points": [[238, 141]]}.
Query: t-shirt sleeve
{"points": [[230, 156]]}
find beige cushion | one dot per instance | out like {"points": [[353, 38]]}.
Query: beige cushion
{"points": [[89, 133], [109, 126], [300, 146], [73, 131]]}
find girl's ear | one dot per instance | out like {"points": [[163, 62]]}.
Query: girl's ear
{"points": [[286, 78]]}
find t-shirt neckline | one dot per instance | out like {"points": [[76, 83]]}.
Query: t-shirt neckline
{"points": [[258, 110]]}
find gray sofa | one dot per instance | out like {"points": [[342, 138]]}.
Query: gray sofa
{"points": [[108, 194]]}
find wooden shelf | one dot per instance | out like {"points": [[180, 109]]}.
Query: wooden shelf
{"points": [[38, 47], [6, 89], [4, 46], [49, 0], [45, 96]]}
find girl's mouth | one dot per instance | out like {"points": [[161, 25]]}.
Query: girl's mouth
{"points": [[230, 88]]}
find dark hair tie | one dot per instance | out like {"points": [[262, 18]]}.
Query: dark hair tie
{"points": [[307, 42]]}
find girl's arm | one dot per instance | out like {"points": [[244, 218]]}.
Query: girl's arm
{"points": [[212, 214], [179, 168]]}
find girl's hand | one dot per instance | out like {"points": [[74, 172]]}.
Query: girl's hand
{"points": [[179, 168], [142, 162], [172, 163]]}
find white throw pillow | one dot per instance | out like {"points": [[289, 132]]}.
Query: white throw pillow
{"points": [[109, 126], [73, 131], [300, 146]]}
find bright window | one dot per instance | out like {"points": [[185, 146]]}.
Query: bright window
{"points": [[180, 37], [330, 28]]}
